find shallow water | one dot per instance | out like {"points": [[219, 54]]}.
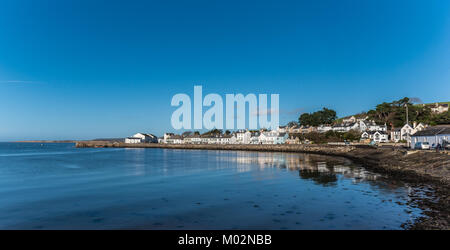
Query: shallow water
{"points": [[58, 186]]}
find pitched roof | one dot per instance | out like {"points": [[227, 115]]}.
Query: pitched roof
{"points": [[435, 130], [149, 135], [175, 137]]}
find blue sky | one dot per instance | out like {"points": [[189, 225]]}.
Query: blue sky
{"points": [[90, 69]]}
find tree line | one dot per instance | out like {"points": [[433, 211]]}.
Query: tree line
{"points": [[391, 113]]}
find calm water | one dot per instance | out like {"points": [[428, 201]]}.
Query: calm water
{"points": [[57, 186]]}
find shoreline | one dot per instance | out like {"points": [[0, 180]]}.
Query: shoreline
{"points": [[420, 168], [390, 160]]}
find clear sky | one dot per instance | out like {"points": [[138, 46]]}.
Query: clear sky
{"points": [[90, 69]]}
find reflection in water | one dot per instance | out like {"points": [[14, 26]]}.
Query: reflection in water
{"points": [[57, 186], [323, 178], [323, 170]]}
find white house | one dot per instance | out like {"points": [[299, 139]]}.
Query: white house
{"points": [[243, 137], [192, 139], [132, 140], [351, 119], [396, 135], [434, 135], [366, 135], [220, 139], [380, 136], [345, 127], [146, 138], [171, 138], [307, 129], [282, 129], [167, 136], [324, 128], [377, 136], [254, 138], [362, 125], [407, 130], [439, 108], [372, 126], [272, 137], [419, 127]]}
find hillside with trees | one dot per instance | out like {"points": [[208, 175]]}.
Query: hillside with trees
{"points": [[394, 113], [391, 113]]}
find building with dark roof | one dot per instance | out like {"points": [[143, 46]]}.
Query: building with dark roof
{"points": [[435, 135]]}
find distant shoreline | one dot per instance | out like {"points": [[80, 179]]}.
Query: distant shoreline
{"points": [[46, 141]]}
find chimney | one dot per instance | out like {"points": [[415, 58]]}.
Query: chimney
{"points": [[414, 124]]}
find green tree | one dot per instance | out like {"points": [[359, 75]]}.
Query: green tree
{"points": [[292, 124], [214, 132], [324, 116], [186, 133], [394, 113]]}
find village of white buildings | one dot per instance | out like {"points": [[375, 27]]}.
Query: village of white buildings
{"points": [[370, 133]]}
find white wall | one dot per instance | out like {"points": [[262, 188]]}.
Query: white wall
{"points": [[438, 139]]}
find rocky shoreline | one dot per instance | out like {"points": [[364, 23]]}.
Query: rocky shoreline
{"points": [[419, 168]]}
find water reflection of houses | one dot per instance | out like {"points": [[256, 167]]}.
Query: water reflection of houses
{"points": [[320, 169]]}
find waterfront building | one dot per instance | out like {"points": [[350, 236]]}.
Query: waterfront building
{"points": [[396, 135], [167, 136], [219, 139], [132, 140], [380, 136], [407, 130], [254, 137], [171, 138], [192, 139], [243, 137], [272, 137], [433, 135], [376, 136], [146, 138], [293, 140]]}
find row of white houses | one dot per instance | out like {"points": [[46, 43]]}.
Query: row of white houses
{"points": [[371, 131], [240, 137], [348, 124], [396, 135]]}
